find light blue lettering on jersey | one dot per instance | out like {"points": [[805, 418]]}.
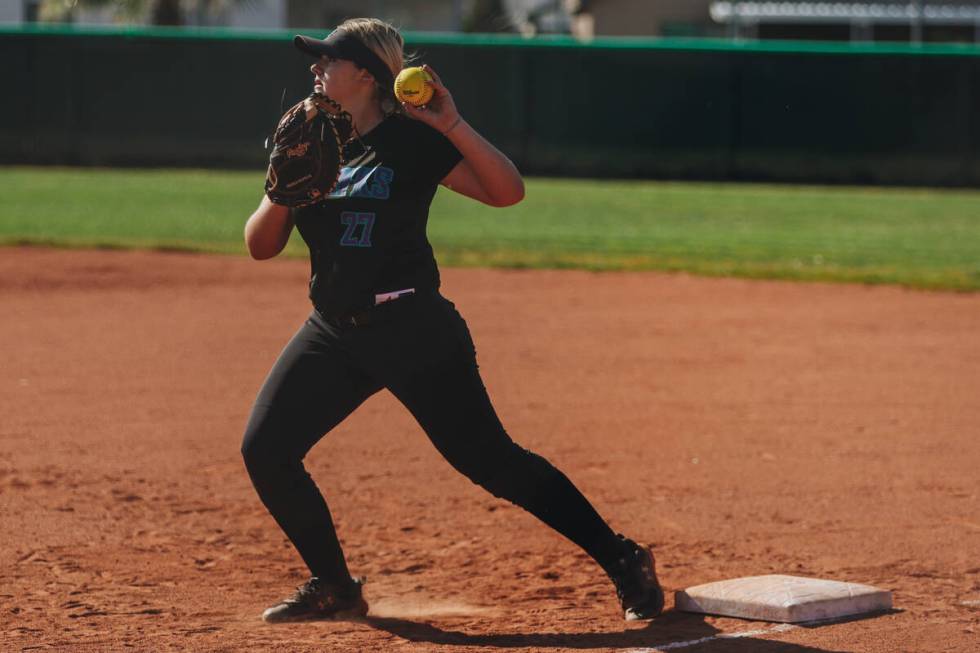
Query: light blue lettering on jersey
{"points": [[370, 182]]}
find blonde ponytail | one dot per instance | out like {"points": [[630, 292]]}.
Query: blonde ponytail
{"points": [[385, 41]]}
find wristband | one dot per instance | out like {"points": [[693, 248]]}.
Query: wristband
{"points": [[453, 126]]}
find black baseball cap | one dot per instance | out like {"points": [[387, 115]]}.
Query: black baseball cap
{"points": [[342, 45]]}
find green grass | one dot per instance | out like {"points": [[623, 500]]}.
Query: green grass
{"points": [[914, 237]]}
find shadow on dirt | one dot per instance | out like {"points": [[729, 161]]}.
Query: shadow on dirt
{"points": [[674, 630]]}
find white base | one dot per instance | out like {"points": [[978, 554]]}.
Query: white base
{"points": [[786, 599]]}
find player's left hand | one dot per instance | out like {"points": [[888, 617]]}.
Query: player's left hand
{"points": [[441, 112]]}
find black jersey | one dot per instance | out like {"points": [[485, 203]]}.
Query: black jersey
{"points": [[368, 237]]}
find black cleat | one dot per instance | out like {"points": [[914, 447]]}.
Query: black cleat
{"points": [[636, 582], [316, 600]]}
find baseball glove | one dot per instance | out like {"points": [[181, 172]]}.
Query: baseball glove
{"points": [[307, 151]]}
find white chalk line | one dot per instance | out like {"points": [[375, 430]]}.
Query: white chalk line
{"points": [[781, 628]]}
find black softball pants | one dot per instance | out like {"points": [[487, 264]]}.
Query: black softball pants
{"points": [[419, 348]]}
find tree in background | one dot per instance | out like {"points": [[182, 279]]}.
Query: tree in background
{"points": [[488, 16], [154, 12]]}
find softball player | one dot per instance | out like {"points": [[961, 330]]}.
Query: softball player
{"points": [[379, 322]]}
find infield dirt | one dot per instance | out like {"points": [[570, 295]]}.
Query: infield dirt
{"points": [[741, 427]]}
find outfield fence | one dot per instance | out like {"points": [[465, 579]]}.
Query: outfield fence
{"points": [[649, 108]]}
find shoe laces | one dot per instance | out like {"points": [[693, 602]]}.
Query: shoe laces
{"points": [[308, 592], [317, 593]]}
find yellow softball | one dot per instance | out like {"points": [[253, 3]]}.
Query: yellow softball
{"points": [[413, 85]]}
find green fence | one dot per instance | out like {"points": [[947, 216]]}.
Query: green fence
{"points": [[669, 108]]}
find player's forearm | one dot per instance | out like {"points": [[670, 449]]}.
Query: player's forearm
{"points": [[267, 230], [497, 174]]}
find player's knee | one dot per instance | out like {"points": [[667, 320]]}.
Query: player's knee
{"points": [[260, 456], [516, 477], [271, 473], [252, 456]]}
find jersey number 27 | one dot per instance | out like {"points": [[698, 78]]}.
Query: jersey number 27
{"points": [[358, 232]]}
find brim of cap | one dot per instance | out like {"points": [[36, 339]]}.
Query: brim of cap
{"points": [[314, 47]]}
